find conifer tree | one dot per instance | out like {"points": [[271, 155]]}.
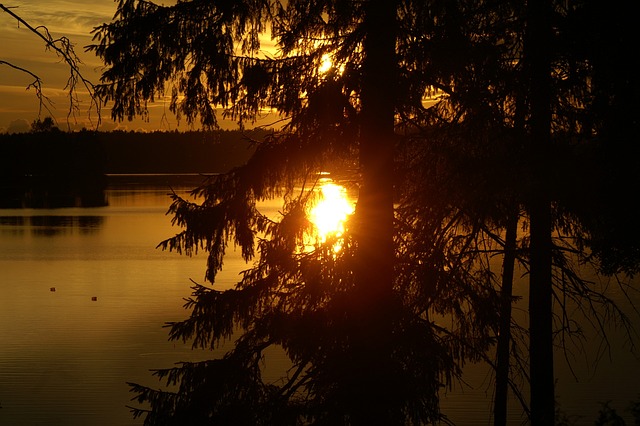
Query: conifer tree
{"points": [[355, 323], [364, 327]]}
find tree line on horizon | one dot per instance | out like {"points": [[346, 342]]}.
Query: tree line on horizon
{"points": [[86, 153], [51, 168]]}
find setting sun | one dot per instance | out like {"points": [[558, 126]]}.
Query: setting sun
{"points": [[325, 65], [330, 212]]}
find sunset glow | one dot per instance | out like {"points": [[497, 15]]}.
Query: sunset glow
{"points": [[331, 211], [326, 64]]}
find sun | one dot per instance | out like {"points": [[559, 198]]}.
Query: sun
{"points": [[325, 64], [331, 211]]}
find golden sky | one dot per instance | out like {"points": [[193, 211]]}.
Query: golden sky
{"points": [[74, 19]]}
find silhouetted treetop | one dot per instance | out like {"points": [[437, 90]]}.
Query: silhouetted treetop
{"points": [[46, 125]]}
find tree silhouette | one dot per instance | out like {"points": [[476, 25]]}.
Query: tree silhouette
{"points": [[46, 125], [445, 116], [355, 324]]}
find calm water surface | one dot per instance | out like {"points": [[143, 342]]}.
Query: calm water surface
{"points": [[84, 295]]}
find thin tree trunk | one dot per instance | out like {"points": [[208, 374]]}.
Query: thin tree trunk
{"points": [[540, 291], [504, 337]]}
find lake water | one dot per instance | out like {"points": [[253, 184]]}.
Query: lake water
{"points": [[84, 295]]}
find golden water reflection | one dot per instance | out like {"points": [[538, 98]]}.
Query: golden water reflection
{"points": [[330, 211]]}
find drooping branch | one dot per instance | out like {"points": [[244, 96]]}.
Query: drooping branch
{"points": [[63, 48], [36, 84]]}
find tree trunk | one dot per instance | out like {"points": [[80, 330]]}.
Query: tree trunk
{"points": [[374, 263], [504, 336], [375, 202], [540, 291]]}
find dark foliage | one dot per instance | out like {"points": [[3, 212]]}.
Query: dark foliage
{"points": [[431, 112]]}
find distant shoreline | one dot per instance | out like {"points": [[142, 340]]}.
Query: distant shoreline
{"points": [[79, 154]]}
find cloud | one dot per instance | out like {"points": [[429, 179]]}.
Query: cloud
{"points": [[69, 17], [19, 126]]}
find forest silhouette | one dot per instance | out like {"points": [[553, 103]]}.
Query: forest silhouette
{"points": [[52, 168]]}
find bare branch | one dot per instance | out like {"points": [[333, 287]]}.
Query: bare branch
{"points": [[36, 84], [63, 48]]}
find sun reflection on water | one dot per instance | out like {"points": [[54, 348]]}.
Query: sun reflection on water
{"points": [[331, 211]]}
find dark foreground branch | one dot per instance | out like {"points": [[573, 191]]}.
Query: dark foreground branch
{"points": [[63, 48]]}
